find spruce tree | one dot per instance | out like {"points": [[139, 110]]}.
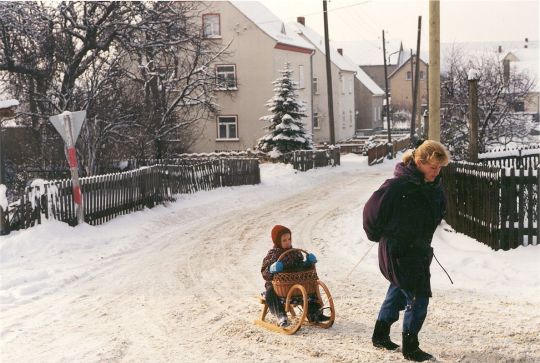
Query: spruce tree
{"points": [[286, 131]]}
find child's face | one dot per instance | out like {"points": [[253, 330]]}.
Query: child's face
{"points": [[286, 241]]}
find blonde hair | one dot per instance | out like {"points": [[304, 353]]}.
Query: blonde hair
{"points": [[430, 151]]}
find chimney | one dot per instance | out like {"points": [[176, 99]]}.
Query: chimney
{"points": [[301, 20], [506, 71], [526, 42], [500, 49], [340, 51]]}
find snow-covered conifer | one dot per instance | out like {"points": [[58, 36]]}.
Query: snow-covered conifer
{"points": [[286, 131]]}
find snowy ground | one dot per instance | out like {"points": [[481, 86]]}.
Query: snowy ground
{"points": [[179, 283]]}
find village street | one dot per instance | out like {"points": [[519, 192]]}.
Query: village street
{"points": [[181, 284]]}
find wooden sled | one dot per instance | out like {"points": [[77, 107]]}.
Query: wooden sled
{"points": [[296, 303]]}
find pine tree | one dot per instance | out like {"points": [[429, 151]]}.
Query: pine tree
{"points": [[286, 131]]}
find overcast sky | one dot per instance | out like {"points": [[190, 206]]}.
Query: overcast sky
{"points": [[480, 20]]}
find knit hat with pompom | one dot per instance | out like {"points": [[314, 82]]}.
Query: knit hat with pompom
{"points": [[277, 232]]}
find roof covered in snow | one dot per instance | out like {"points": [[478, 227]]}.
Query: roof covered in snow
{"points": [[8, 103], [367, 81], [317, 40], [521, 59], [270, 23], [370, 52]]}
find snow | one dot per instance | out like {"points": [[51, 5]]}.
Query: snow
{"points": [[270, 23], [473, 74], [506, 153], [179, 282], [367, 81], [3, 198], [8, 103], [342, 62]]}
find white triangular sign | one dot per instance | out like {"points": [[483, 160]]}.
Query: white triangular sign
{"points": [[77, 120]]}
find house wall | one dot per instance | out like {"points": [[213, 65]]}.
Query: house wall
{"points": [[368, 107], [343, 101], [401, 88], [257, 65], [532, 102], [376, 72]]}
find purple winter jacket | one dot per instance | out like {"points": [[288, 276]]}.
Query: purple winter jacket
{"points": [[402, 216]]}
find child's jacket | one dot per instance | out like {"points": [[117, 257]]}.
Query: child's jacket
{"points": [[293, 261]]}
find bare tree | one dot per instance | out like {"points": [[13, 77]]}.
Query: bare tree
{"points": [[140, 69], [499, 95], [173, 75]]}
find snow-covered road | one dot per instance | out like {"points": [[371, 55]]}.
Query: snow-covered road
{"points": [[180, 283]]}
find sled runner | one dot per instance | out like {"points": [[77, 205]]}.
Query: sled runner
{"points": [[296, 290]]}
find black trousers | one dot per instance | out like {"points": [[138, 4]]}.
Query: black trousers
{"points": [[277, 309]]}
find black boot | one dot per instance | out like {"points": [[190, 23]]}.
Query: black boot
{"points": [[381, 336], [411, 349]]}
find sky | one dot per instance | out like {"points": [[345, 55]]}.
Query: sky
{"points": [[461, 21]]}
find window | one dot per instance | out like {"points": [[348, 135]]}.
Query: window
{"points": [[316, 120], [211, 26], [226, 77], [342, 119], [315, 85], [519, 106], [351, 86], [350, 118], [343, 85], [227, 127], [422, 75], [409, 76], [301, 77]]}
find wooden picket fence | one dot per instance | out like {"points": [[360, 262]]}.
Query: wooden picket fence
{"points": [[496, 206], [108, 196], [523, 157], [377, 153], [304, 160]]}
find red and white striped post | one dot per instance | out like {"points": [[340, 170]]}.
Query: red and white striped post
{"points": [[69, 125], [73, 168]]}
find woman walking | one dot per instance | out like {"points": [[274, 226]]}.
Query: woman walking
{"points": [[402, 216]]}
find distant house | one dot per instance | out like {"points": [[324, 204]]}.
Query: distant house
{"points": [[343, 87], [401, 80], [368, 100], [525, 60], [260, 45]]}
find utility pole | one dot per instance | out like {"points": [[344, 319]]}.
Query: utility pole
{"points": [[329, 76], [390, 153], [416, 79], [473, 117], [434, 70], [412, 78]]}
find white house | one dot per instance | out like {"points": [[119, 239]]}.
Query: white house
{"points": [[343, 80], [260, 45]]}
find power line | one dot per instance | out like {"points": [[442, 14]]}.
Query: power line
{"points": [[310, 14]]}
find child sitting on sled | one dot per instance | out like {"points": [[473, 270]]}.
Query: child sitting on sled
{"points": [[281, 237]]}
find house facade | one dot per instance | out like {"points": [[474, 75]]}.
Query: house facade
{"points": [[259, 44], [368, 101], [525, 60], [343, 80], [400, 83]]}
